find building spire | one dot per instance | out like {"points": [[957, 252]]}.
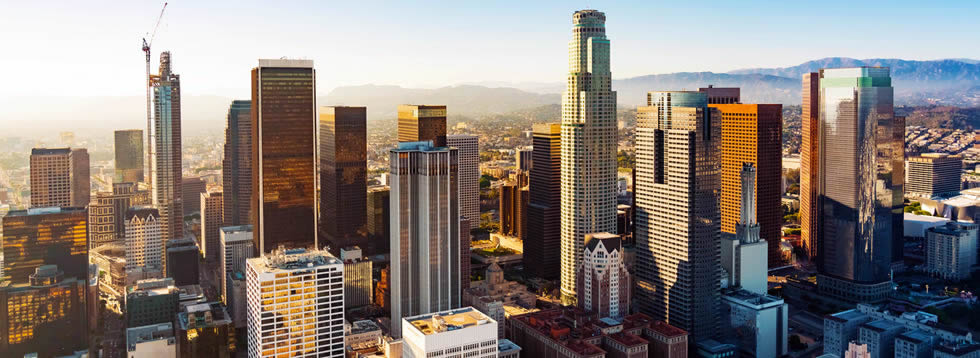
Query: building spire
{"points": [[747, 229]]}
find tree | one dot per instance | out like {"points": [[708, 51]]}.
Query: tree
{"points": [[485, 180]]}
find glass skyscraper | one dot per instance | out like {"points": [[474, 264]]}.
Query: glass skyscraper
{"points": [[860, 183], [166, 161]]}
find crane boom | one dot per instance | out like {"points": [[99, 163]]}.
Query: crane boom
{"points": [[149, 115]]}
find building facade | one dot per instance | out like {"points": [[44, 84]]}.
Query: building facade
{"points": [[425, 272], [183, 261], [236, 248], [205, 330], [420, 123], [191, 190], [152, 301], [604, 284], [60, 177], [155, 340], [860, 201], [145, 247], [588, 144], [46, 315], [358, 290], [45, 236], [212, 219], [308, 312], [465, 332], [236, 165], [744, 254], [951, 250], [128, 156], [343, 173], [758, 322], [283, 154], [107, 213], [809, 163], [933, 175], [514, 195], [544, 203], [678, 184], [469, 174], [165, 174]]}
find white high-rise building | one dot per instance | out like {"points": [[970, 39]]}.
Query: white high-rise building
{"points": [[588, 144], [744, 255], [951, 250], [424, 207], [144, 239], [469, 174], [295, 304], [236, 247], [463, 332], [678, 186]]}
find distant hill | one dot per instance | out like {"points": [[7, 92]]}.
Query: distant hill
{"points": [[382, 101], [756, 88]]}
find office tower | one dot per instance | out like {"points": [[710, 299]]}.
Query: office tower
{"points": [[678, 185], [722, 95], [205, 330], [60, 177], [752, 133], [144, 239], [212, 211], [152, 301], [933, 175], [45, 236], [420, 123], [425, 274], [544, 203], [465, 331], [107, 213], [236, 166], [524, 158], [860, 191], [191, 190], [951, 250], [589, 141], [236, 247], [357, 278], [759, 323], [809, 164], [744, 254], [155, 340], [469, 174], [183, 261], [44, 315], [603, 284], [465, 239], [166, 153], [315, 290], [343, 173], [377, 217], [128, 156], [283, 151], [513, 207]]}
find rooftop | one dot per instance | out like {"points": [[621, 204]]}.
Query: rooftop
{"points": [[506, 346], [286, 63], [845, 316], [149, 333], [666, 329], [882, 325], [916, 336], [203, 315], [752, 298], [50, 151], [293, 259], [44, 211], [153, 287], [627, 339], [364, 326], [953, 228], [448, 320], [239, 228], [425, 146]]}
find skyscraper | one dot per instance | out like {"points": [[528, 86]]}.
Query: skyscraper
{"points": [[469, 174], [45, 315], [589, 141], [283, 154], [183, 261], [45, 236], [933, 175], [191, 190], [419, 123], [524, 158], [236, 167], [722, 95], [678, 185], [60, 177], [744, 253], [378, 218], [809, 164], [343, 174], [513, 207], [166, 173], [424, 230], [752, 133], [544, 203], [860, 184], [128, 156], [107, 213], [211, 219], [145, 247], [604, 284], [308, 312], [236, 248]]}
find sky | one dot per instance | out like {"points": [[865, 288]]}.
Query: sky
{"points": [[92, 48]]}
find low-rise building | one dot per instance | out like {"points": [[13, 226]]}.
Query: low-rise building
{"points": [[155, 340], [573, 332], [914, 344], [888, 334], [151, 301], [359, 332], [879, 337], [759, 323], [666, 341]]}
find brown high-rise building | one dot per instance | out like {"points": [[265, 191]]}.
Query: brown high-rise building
{"points": [[236, 167], [60, 177], [212, 218], [419, 123], [752, 133], [722, 95], [343, 174], [107, 213], [283, 154], [809, 163], [128, 152], [544, 203], [45, 315], [45, 236], [513, 207], [166, 169], [191, 190], [377, 217]]}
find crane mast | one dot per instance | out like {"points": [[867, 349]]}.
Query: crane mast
{"points": [[149, 102]]}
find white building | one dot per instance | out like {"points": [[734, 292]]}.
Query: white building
{"points": [[425, 228], [604, 284], [295, 304], [588, 144], [155, 340], [144, 239], [463, 332], [469, 173], [759, 322], [744, 256], [235, 243], [951, 250]]}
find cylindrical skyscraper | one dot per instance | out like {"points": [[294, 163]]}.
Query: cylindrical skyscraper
{"points": [[588, 149]]}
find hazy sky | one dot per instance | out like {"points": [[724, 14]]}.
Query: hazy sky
{"points": [[81, 48]]}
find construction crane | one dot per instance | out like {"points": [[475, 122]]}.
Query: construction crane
{"points": [[149, 85]]}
